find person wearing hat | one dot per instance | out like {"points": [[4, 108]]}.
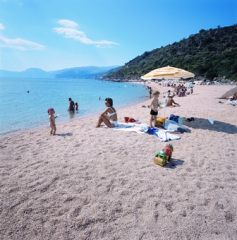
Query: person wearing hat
{"points": [[52, 121]]}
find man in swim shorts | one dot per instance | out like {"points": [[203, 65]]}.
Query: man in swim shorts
{"points": [[71, 105]]}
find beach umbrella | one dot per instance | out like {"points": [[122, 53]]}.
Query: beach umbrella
{"points": [[229, 93], [168, 73]]}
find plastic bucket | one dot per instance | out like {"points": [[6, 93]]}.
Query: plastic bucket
{"points": [[126, 119]]}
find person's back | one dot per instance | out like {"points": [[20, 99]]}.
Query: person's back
{"points": [[71, 105]]}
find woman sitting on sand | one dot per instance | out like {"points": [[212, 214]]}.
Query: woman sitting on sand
{"points": [[109, 116]]}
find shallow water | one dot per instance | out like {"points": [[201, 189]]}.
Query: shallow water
{"points": [[20, 110]]}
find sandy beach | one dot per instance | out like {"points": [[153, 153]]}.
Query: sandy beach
{"points": [[88, 183]]}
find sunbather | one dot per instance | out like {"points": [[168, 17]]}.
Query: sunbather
{"points": [[234, 98], [109, 116], [170, 101]]}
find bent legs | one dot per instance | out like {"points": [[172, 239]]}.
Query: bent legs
{"points": [[106, 120]]}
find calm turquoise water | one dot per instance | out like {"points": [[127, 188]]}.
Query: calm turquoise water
{"points": [[20, 110]]}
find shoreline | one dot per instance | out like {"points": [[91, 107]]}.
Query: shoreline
{"points": [[154, 85], [101, 183], [16, 132]]}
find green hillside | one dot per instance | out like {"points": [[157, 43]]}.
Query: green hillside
{"points": [[210, 53]]}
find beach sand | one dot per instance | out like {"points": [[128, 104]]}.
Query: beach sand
{"points": [[88, 183]]}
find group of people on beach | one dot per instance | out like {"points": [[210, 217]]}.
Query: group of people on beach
{"points": [[181, 90], [109, 116]]}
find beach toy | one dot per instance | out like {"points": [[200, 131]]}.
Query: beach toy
{"points": [[160, 121], [126, 119], [164, 156]]}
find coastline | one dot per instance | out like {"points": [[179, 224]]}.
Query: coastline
{"points": [[76, 116], [102, 184]]}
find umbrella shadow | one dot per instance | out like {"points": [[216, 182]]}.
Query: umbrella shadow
{"points": [[174, 163], [218, 126]]}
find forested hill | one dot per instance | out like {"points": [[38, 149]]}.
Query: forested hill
{"points": [[209, 53]]}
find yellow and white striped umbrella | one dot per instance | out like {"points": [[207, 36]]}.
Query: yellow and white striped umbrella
{"points": [[168, 73]]}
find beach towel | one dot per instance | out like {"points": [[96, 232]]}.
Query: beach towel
{"points": [[162, 134], [128, 127], [174, 126], [233, 103]]}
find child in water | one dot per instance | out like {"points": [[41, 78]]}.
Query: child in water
{"points": [[154, 107], [52, 121], [76, 106]]}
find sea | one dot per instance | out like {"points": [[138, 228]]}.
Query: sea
{"points": [[21, 110]]}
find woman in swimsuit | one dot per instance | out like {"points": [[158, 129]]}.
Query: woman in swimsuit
{"points": [[109, 116]]}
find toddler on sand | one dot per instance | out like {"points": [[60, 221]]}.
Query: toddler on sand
{"points": [[52, 121], [154, 107]]}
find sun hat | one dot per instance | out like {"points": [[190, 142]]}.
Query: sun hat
{"points": [[50, 109]]}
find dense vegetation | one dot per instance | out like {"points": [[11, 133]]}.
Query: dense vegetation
{"points": [[210, 53]]}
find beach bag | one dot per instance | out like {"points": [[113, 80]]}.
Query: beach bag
{"points": [[160, 121], [174, 118], [132, 120]]}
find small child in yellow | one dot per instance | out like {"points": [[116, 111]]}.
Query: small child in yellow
{"points": [[52, 121], [154, 107]]}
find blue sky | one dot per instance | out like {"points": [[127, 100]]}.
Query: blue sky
{"points": [[58, 34]]}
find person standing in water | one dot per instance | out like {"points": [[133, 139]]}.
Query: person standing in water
{"points": [[76, 106], [71, 105]]}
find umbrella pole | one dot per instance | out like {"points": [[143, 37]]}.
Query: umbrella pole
{"points": [[165, 100]]}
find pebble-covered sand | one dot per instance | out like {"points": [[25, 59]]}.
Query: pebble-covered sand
{"points": [[88, 183]]}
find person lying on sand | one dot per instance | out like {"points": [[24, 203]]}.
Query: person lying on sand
{"points": [[234, 97], [170, 101], [109, 116]]}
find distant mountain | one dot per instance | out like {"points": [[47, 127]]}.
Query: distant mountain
{"points": [[83, 72], [101, 75], [209, 53], [78, 72]]}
